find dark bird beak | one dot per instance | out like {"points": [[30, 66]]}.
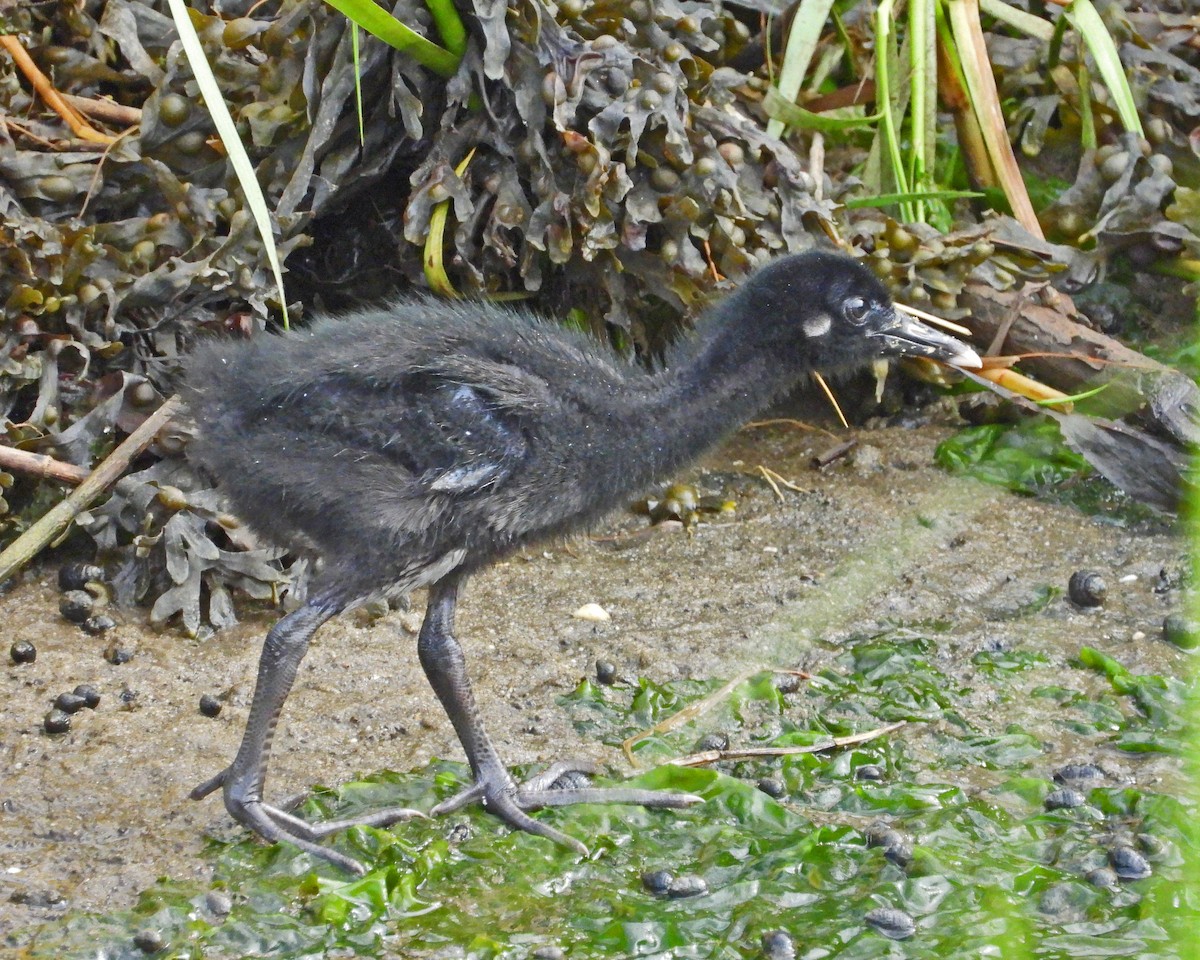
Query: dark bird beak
{"points": [[902, 336]]}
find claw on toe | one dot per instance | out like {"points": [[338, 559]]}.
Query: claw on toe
{"points": [[561, 784], [276, 825], [200, 791]]}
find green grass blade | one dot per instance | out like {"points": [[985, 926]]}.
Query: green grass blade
{"points": [[923, 101], [887, 199], [1086, 20], [449, 25], [378, 22], [779, 108], [884, 58], [1026, 23], [1188, 934], [802, 42], [846, 43], [1054, 54], [435, 263], [227, 131], [362, 132], [985, 101], [1087, 120], [1054, 401], [1182, 267]]}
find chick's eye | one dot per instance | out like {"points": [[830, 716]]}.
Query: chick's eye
{"points": [[855, 309]]}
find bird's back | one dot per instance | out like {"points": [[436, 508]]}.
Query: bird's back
{"points": [[386, 438]]}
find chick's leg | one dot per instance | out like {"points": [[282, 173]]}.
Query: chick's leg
{"points": [[442, 659], [242, 781]]}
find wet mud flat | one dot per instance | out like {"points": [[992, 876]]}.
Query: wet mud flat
{"points": [[90, 817]]}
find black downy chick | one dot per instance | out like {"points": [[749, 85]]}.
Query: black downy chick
{"points": [[413, 445]]}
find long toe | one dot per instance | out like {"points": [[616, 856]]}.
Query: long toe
{"points": [[568, 781], [560, 785], [508, 807], [280, 827], [382, 818], [562, 797]]}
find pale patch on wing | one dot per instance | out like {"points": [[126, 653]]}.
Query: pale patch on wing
{"points": [[418, 576], [468, 479], [818, 326], [443, 565]]}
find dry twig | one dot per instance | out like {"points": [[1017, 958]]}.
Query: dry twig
{"points": [[832, 399], [696, 709], [106, 110], [45, 89], [833, 453], [775, 480], [788, 421], [29, 544], [934, 319], [40, 465], [749, 753]]}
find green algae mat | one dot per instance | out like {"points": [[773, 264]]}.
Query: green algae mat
{"points": [[941, 838]]}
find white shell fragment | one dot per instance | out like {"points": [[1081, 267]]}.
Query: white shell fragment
{"points": [[593, 612]]}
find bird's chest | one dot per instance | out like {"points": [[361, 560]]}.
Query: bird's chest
{"points": [[587, 472]]}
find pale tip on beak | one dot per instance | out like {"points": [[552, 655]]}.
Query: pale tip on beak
{"points": [[966, 358], [906, 336]]}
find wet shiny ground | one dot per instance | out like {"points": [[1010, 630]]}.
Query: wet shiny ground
{"points": [[89, 818]]}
